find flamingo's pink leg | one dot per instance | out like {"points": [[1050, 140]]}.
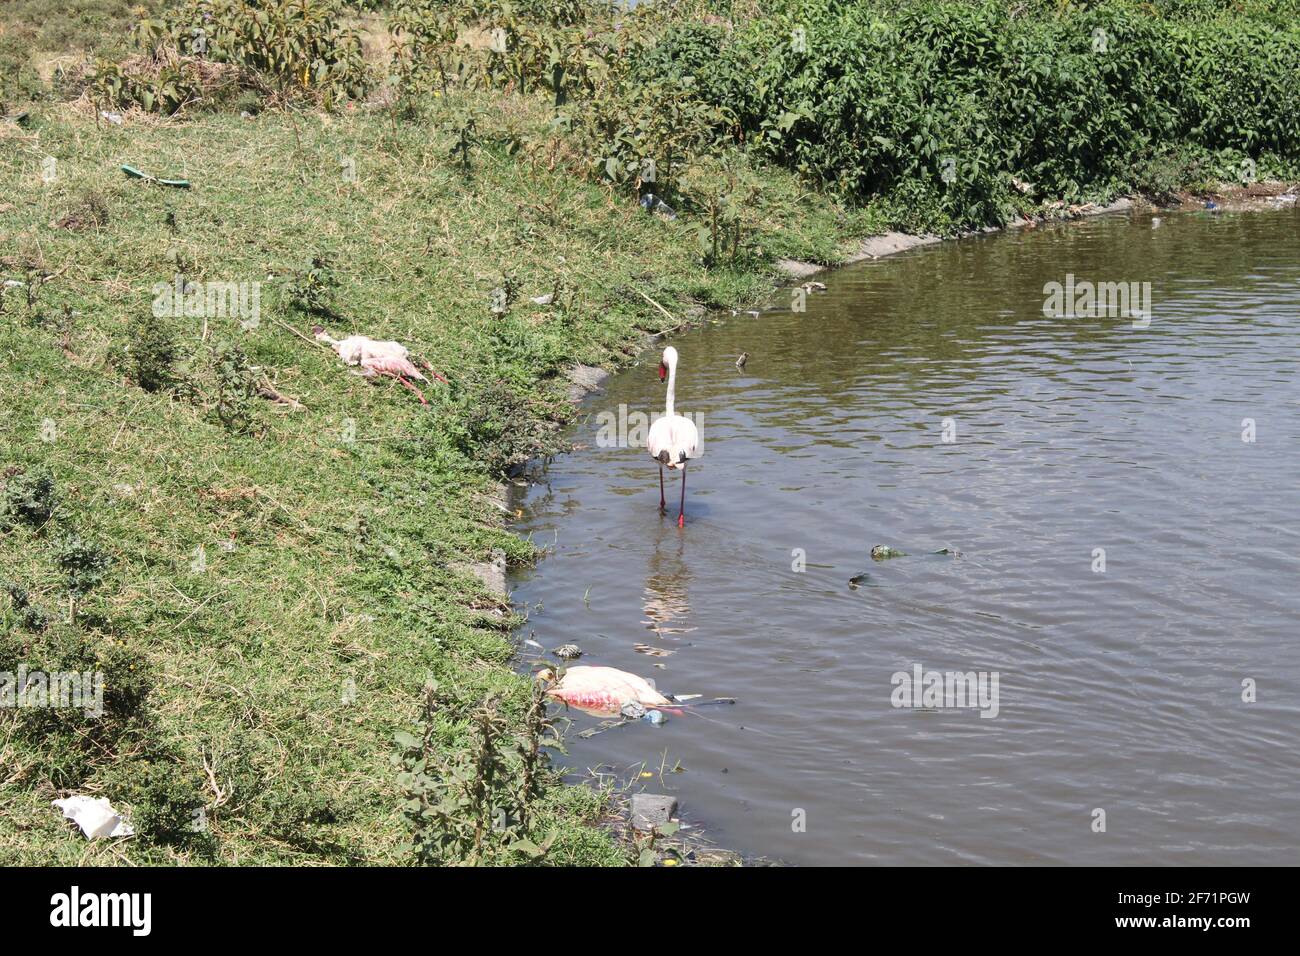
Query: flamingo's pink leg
{"points": [[429, 368], [418, 394], [681, 513]]}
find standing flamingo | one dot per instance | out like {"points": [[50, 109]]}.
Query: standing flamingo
{"points": [[377, 358], [673, 439]]}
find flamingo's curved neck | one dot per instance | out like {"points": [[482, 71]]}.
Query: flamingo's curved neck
{"points": [[672, 389]]}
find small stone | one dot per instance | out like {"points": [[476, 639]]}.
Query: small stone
{"points": [[650, 810]]}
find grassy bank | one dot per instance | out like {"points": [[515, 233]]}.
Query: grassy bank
{"points": [[350, 518], [299, 666]]}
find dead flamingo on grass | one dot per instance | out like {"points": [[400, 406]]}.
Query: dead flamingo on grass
{"points": [[378, 358]]}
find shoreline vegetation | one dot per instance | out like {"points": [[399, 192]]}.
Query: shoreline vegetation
{"points": [[272, 562]]}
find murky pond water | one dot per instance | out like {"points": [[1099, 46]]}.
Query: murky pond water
{"points": [[1121, 671]]}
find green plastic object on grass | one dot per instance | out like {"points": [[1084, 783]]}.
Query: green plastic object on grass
{"points": [[139, 174]]}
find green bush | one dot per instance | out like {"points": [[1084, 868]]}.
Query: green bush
{"points": [[302, 46], [957, 111], [73, 742], [148, 358], [219, 52], [29, 497], [167, 802]]}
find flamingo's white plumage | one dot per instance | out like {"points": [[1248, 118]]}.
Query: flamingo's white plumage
{"points": [[673, 439], [372, 357], [602, 690]]}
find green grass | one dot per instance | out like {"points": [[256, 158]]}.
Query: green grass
{"points": [[348, 562]]}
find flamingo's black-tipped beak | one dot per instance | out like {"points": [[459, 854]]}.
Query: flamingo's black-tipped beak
{"points": [[663, 371]]}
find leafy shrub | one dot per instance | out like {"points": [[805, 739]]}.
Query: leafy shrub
{"points": [[952, 111], [84, 564], [160, 83], [218, 52], [472, 803], [300, 45], [29, 497], [236, 390], [73, 742], [312, 288], [167, 801], [148, 358], [27, 615]]}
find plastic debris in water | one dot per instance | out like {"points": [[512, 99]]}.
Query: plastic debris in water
{"points": [[651, 651], [858, 580], [655, 717], [95, 816], [882, 552]]}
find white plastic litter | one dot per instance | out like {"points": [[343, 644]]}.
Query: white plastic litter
{"points": [[95, 816]]}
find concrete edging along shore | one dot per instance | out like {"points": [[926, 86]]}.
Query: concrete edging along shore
{"points": [[889, 243]]}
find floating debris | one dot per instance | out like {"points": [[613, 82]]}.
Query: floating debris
{"points": [[883, 552], [814, 287], [858, 580], [568, 652], [742, 359], [651, 651], [951, 552]]}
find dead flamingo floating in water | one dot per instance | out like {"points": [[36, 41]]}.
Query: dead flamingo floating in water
{"points": [[604, 691], [378, 358], [673, 438]]}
